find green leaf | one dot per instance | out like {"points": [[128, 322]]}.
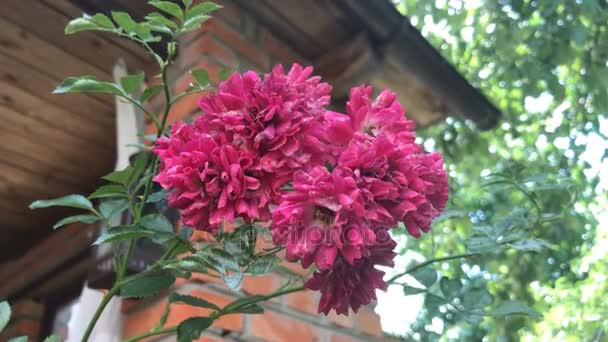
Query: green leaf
{"points": [[432, 301], [427, 276], [223, 259], [147, 285], [201, 76], [187, 3], [120, 176], [251, 309], [110, 190], [112, 207], [534, 245], [234, 280], [149, 92], [18, 339], [194, 22], [87, 84], [103, 21], [72, 201], [263, 265], [237, 243], [130, 83], [157, 222], [159, 19], [450, 287], [192, 328], [476, 299], [514, 307], [81, 24], [53, 338], [187, 264], [203, 8], [224, 74], [88, 219], [5, 314], [479, 244], [169, 8], [125, 21], [410, 290], [191, 300], [121, 233], [236, 305], [157, 196]]}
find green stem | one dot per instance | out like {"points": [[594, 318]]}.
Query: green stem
{"points": [[121, 269], [152, 332], [429, 262], [104, 302], [215, 315], [151, 115], [125, 262]]}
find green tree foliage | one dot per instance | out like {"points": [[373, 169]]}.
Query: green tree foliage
{"points": [[544, 64]]}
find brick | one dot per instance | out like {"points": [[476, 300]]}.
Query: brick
{"points": [[237, 42], [146, 318], [304, 301], [272, 327], [261, 285], [295, 268], [342, 338], [341, 320], [368, 322], [180, 312], [207, 45]]}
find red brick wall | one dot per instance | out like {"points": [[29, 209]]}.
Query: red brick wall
{"points": [[235, 40]]}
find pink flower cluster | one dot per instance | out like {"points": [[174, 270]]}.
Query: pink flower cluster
{"points": [[333, 184]]}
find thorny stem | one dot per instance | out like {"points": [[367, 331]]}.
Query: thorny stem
{"points": [[428, 262]]}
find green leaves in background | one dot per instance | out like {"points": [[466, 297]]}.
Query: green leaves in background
{"points": [[427, 276], [514, 307]]}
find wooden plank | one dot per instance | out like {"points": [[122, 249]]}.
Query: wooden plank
{"points": [[44, 258], [303, 44], [25, 183], [95, 127], [33, 166], [32, 158], [87, 46], [77, 146], [65, 278], [19, 43], [51, 155], [40, 84], [70, 10], [323, 29]]}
